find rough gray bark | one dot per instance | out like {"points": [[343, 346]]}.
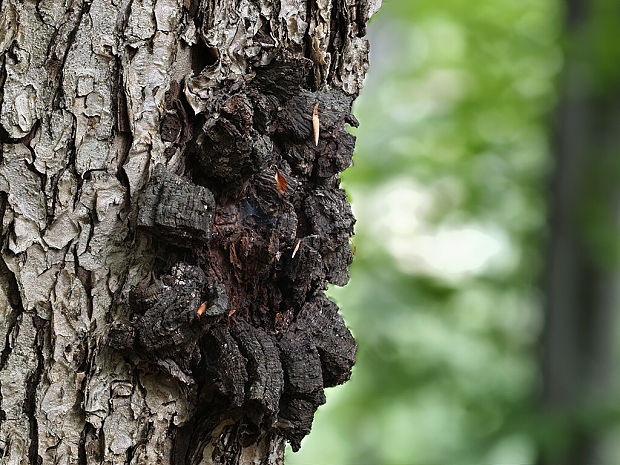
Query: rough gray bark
{"points": [[169, 226]]}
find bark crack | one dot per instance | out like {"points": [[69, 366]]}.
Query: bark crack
{"points": [[30, 402], [85, 278], [16, 311], [13, 319], [56, 59], [3, 133]]}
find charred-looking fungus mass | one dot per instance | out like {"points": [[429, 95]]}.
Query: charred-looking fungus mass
{"points": [[254, 226], [176, 209]]}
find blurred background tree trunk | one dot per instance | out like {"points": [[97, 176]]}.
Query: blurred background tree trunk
{"points": [[581, 279], [169, 225]]}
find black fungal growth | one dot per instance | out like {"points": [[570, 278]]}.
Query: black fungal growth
{"points": [[247, 323], [176, 209], [167, 324]]}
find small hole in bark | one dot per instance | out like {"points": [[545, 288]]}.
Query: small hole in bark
{"points": [[131, 52], [203, 56], [264, 34]]}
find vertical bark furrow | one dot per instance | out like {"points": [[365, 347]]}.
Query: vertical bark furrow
{"points": [[4, 135], [59, 45], [32, 385], [10, 305], [12, 310], [18, 429]]}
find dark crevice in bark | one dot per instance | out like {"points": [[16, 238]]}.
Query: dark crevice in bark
{"points": [[91, 231], [30, 402], [122, 127], [51, 210], [175, 127], [145, 435], [85, 277], [13, 318], [26, 141], [121, 175], [191, 438], [71, 161], [56, 59], [123, 20], [338, 31], [90, 446], [39, 15], [11, 290], [360, 18], [3, 133], [190, 9], [118, 104], [313, 79], [203, 56], [6, 138], [82, 455], [3, 204], [88, 454]]}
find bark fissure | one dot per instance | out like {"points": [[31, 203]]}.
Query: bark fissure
{"points": [[56, 56], [32, 383], [85, 278], [3, 133], [11, 321]]}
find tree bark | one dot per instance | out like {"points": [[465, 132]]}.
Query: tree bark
{"points": [[169, 225], [581, 277]]}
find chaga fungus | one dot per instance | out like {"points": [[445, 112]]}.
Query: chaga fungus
{"points": [[247, 322], [175, 209], [165, 324]]}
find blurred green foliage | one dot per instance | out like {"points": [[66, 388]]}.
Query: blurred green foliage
{"points": [[448, 188]]}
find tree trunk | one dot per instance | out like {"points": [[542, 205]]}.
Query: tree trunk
{"points": [[169, 225], [581, 279]]}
